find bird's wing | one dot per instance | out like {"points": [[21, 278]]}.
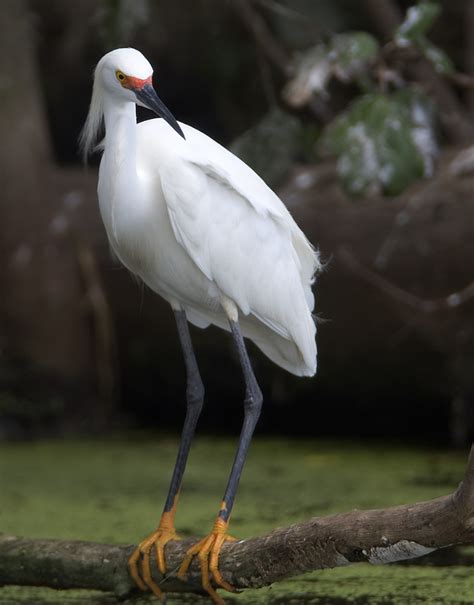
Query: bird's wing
{"points": [[223, 167], [232, 244], [241, 236]]}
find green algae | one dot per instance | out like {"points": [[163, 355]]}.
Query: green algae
{"points": [[113, 491], [368, 585]]}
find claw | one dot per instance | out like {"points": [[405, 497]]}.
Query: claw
{"points": [[160, 544], [133, 568], [207, 550], [147, 577], [159, 539]]}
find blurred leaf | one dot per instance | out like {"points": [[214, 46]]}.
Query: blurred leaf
{"points": [[312, 73], [351, 53], [271, 146], [438, 57], [423, 131], [346, 57], [418, 20], [413, 31], [383, 143]]}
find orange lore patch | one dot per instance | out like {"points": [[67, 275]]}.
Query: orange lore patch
{"points": [[136, 83]]}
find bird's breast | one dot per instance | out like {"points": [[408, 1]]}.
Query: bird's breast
{"points": [[132, 219], [140, 232]]}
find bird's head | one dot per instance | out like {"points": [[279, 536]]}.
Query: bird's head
{"points": [[125, 75]]}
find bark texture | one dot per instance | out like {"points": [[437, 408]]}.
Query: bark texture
{"points": [[376, 536]]}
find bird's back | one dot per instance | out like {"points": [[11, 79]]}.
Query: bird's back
{"points": [[241, 240]]}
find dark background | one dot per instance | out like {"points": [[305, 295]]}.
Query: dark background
{"points": [[84, 349]]}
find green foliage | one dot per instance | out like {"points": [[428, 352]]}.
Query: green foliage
{"points": [[384, 142], [312, 74], [346, 57], [438, 57], [413, 30], [418, 21], [377, 145], [351, 53], [280, 132]]}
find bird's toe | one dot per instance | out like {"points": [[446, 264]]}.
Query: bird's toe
{"points": [[207, 551], [139, 563]]}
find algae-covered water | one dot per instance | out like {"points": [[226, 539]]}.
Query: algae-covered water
{"points": [[113, 491]]}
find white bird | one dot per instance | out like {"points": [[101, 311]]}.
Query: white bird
{"points": [[203, 231]]}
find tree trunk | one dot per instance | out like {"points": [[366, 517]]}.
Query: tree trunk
{"points": [[45, 319]]}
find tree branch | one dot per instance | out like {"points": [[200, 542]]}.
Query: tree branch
{"points": [[446, 303], [376, 536]]}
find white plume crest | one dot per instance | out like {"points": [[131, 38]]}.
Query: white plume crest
{"points": [[95, 118]]}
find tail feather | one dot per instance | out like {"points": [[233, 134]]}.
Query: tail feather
{"points": [[282, 351]]}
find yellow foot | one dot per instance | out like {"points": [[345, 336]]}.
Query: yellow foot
{"points": [[207, 550], [158, 539]]}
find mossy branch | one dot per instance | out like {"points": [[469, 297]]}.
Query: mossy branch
{"points": [[376, 536]]}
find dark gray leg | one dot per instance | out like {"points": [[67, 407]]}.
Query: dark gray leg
{"points": [[208, 548], [194, 401], [252, 408], [165, 531]]}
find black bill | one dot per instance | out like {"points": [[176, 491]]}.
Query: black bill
{"points": [[148, 98]]}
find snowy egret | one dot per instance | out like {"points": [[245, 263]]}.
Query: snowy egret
{"points": [[202, 230]]}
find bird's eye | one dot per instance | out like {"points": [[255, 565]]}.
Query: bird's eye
{"points": [[120, 76]]}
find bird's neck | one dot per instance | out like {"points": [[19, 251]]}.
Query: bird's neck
{"points": [[121, 141], [120, 195]]}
